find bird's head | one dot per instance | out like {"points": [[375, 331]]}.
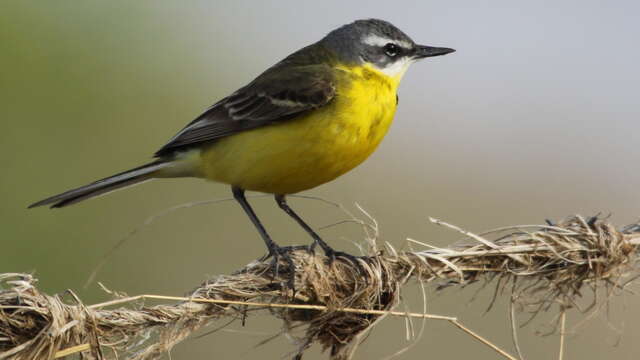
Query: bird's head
{"points": [[379, 44]]}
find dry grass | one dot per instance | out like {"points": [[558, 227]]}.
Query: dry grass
{"points": [[335, 303]]}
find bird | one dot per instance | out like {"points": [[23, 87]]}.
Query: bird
{"points": [[303, 122]]}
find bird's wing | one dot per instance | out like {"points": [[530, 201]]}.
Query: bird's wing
{"points": [[279, 94]]}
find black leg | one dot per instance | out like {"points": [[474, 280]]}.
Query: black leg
{"points": [[238, 194], [317, 240], [275, 251], [328, 251]]}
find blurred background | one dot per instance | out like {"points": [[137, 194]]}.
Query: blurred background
{"points": [[535, 116]]}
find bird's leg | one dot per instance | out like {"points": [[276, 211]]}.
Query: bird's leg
{"points": [[238, 194], [275, 251], [317, 240]]}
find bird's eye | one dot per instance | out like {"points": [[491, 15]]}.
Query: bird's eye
{"points": [[391, 49]]}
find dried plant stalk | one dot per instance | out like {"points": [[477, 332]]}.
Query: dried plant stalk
{"points": [[546, 265]]}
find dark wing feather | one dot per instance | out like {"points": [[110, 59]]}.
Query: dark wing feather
{"points": [[279, 94]]}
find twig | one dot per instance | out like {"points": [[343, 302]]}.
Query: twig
{"points": [[512, 318], [72, 350], [270, 305], [563, 320], [483, 340], [452, 320]]}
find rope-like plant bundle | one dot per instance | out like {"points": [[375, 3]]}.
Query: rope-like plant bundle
{"points": [[335, 302]]}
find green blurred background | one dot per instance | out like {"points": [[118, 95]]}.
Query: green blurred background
{"points": [[535, 116]]}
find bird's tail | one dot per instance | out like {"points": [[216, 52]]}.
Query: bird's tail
{"points": [[100, 187]]}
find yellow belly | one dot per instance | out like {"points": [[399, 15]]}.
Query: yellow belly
{"points": [[303, 153]]}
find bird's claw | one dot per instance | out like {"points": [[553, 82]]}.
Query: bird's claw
{"points": [[282, 252], [333, 255]]}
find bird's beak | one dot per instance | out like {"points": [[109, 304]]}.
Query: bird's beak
{"points": [[423, 51]]}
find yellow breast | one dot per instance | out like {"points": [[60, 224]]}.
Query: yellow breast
{"points": [[303, 153]]}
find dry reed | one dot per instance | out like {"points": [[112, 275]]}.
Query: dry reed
{"points": [[334, 303]]}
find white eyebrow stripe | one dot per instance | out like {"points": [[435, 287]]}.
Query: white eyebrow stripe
{"points": [[375, 40]]}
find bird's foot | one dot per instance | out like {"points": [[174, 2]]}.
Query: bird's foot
{"points": [[311, 249], [332, 255], [277, 253]]}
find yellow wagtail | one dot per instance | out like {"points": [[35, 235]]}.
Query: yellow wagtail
{"points": [[303, 122]]}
